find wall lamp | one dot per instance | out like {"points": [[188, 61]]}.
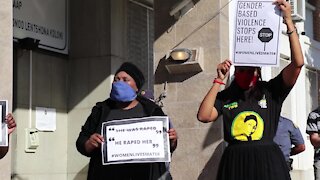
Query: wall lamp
{"points": [[182, 54], [185, 60]]}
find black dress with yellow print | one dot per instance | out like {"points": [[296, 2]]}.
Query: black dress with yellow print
{"points": [[250, 121]]}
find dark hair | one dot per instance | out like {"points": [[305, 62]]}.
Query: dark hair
{"points": [[250, 117], [253, 67], [256, 92]]}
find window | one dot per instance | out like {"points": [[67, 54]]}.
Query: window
{"points": [[308, 24], [311, 86], [140, 39]]}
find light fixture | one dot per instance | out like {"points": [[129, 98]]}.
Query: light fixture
{"points": [[184, 60], [182, 54]]}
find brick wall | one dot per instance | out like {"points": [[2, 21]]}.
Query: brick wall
{"points": [[316, 19]]}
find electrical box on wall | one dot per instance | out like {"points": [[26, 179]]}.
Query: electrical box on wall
{"points": [[194, 62], [32, 140]]}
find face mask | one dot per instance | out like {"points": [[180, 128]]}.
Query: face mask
{"points": [[245, 79], [122, 92]]}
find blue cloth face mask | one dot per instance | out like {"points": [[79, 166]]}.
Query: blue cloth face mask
{"points": [[122, 92]]}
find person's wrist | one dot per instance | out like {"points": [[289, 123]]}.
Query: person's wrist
{"points": [[87, 147], [218, 81], [287, 20], [291, 30]]}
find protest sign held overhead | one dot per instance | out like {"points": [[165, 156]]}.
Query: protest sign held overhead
{"points": [[256, 33]]}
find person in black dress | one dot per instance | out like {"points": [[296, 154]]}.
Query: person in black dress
{"points": [[250, 109]]}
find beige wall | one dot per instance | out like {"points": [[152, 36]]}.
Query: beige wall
{"points": [[48, 89], [200, 145], [70, 84], [92, 61], [6, 77]]}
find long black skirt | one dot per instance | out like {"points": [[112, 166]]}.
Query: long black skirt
{"points": [[254, 160]]}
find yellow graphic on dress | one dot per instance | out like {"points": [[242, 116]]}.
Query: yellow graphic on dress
{"points": [[247, 126]]}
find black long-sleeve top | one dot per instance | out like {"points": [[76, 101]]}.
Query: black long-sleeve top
{"points": [[97, 171]]}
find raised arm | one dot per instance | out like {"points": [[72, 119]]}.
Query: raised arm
{"points": [[207, 112], [291, 72]]}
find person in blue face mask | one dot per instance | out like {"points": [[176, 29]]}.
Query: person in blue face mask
{"points": [[124, 102]]}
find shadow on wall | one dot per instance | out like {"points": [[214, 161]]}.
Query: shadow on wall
{"points": [[214, 134], [16, 177], [81, 175], [162, 75], [163, 20], [209, 171]]}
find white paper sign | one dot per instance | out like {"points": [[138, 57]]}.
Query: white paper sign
{"points": [[4, 127], [45, 119], [256, 33], [136, 140]]}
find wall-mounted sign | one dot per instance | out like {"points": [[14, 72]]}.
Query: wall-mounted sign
{"points": [[43, 20]]}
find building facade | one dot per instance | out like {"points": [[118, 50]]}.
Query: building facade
{"points": [[102, 35]]}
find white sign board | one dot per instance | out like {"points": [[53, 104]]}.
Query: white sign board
{"points": [[137, 140], [256, 33], [4, 127], [42, 20]]}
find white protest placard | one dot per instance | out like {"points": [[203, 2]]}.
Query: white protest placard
{"points": [[137, 140], [4, 127], [256, 33]]}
